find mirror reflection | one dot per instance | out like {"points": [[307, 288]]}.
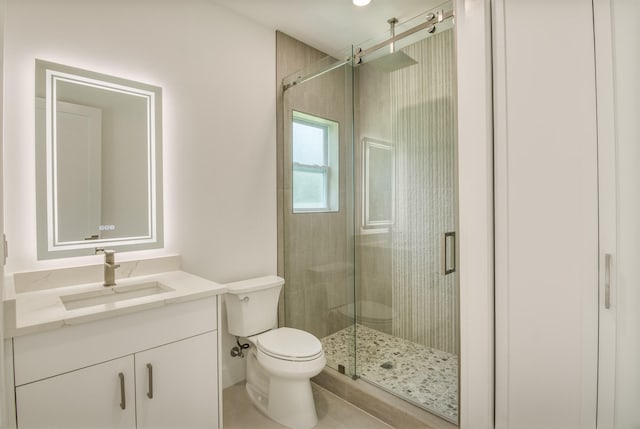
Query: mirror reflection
{"points": [[378, 183], [99, 162]]}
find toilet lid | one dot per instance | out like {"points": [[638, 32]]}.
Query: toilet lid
{"points": [[289, 343]]}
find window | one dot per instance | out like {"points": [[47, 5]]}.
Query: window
{"points": [[315, 163]]}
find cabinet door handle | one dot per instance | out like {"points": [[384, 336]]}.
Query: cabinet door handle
{"points": [[150, 375], [607, 281], [123, 400]]}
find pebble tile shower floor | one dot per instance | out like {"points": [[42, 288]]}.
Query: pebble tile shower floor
{"points": [[422, 375]]}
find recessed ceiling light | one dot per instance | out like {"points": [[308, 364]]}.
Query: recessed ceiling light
{"points": [[361, 2]]}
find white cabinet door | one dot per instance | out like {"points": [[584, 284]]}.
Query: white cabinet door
{"points": [[618, 62], [91, 397], [177, 384]]}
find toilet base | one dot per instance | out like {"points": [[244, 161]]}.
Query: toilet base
{"points": [[291, 403], [285, 400]]}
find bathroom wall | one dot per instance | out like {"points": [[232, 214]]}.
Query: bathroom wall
{"points": [[546, 195], [3, 404], [216, 70], [316, 248]]}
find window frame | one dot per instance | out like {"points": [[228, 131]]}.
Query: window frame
{"points": [[330, 167]]}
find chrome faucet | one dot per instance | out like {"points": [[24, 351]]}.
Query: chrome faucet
{"points": [[110, 268]]}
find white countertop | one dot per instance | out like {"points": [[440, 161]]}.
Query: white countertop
{"points": [[43, 310]]}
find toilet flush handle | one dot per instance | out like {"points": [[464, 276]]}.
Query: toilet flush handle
{"points": [[245, 299]]}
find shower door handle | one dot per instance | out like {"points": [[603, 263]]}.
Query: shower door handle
{"points": [[448, 253]]}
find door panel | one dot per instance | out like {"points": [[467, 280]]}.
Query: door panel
{"points": [[618, 61], [177, 384], [87, 398]]}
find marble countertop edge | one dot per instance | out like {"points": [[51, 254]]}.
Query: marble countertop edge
{"points": [[43, 310]]}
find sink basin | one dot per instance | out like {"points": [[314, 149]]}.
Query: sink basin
{"points": [[112, 294]]}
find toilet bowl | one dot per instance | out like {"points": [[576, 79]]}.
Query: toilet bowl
{"points": [[280, 361], [279, 366]]}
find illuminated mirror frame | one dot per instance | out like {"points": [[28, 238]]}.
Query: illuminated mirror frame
{"points": [[49, 246]]}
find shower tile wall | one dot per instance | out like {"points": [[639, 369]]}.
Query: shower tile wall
{"points": [[318, 267], [399, 289], [414, 110]]}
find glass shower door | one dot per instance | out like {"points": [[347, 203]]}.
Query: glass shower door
{"points": [[318, 206], [370, 214], [407, 338]]}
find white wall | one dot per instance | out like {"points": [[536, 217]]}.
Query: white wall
{"points": [[3, 406], [475, 214], [217, 71], [546, 214]]}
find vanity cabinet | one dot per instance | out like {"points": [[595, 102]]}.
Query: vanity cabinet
{"points": [[174, 384], [85, 398], [155, 368]]}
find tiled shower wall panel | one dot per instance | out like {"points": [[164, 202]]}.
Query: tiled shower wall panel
{"points": [[413, 109], [423, 108]]}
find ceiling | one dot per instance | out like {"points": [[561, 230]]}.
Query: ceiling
{"points": [[329, 25]]}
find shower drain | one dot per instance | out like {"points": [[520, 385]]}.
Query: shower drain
{"points": [[387, 365]]}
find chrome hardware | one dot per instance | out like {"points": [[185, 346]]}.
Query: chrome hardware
{"points": [[607, 281], [123, 400], [110, 268], [238, 351], [448, 252], [245, 299], [431, 20], [392, 23], [150, 375], [357, 59]]}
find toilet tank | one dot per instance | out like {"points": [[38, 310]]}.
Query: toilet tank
{"points": [[252, 305]]}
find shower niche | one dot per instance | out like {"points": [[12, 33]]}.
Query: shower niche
{"points": [[375, 279]]}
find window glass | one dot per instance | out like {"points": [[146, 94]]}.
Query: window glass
{"points": [[309, 143], [309, 190], [314, 149]]}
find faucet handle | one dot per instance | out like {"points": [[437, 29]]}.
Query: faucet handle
{"points": [[110, 256]]}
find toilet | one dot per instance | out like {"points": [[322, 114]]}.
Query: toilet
{"points": [[280, 361]]}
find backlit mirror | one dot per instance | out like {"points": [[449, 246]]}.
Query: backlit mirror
{"points": [[98, 162]]}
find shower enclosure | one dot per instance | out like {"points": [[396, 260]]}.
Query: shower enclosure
{"points": [[368, 207]]}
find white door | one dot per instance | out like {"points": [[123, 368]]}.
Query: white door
{"points": [[99, 396], [618, 62], [79, 172], [177, 384]]}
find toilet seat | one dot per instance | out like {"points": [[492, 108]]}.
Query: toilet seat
{"points": [[289, 344]]}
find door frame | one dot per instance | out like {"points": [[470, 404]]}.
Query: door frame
{"points": [[475, 212], [606, 211]]}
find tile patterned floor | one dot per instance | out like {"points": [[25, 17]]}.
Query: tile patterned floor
{"points": [[419, 374], [333, 412]]}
